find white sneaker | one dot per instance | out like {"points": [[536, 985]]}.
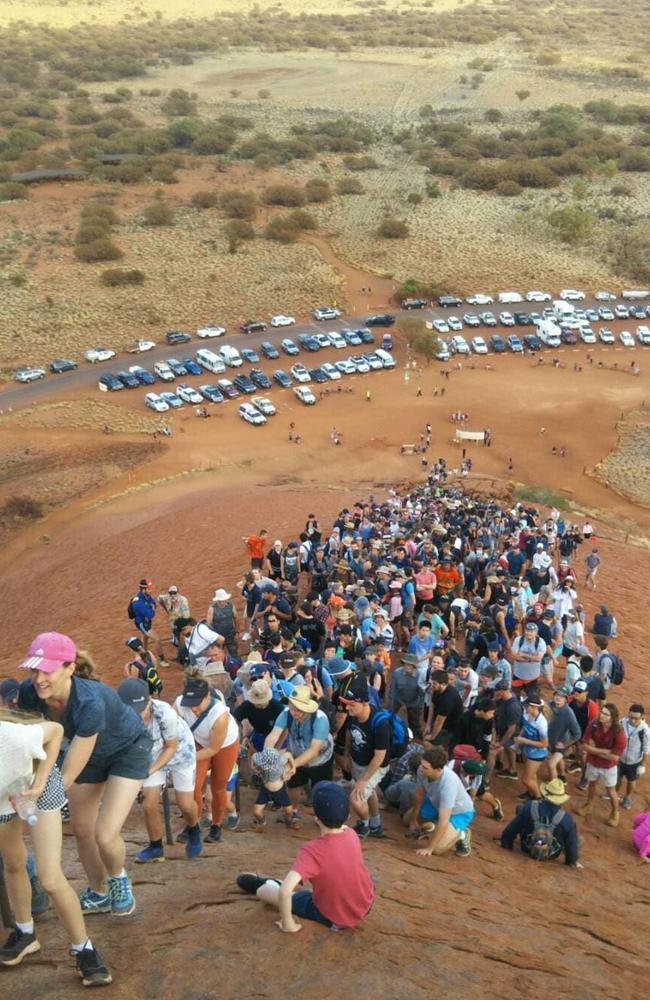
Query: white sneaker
{"points": [[245, 637]]}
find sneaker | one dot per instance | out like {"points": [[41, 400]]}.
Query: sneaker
{"points": [[232, 821], [582, 785], [258, 824], [183, 836], [40, 899], [17, 945], [497, 809], [163, 662], [499, 768], [626, 803], [150, 853], [205, 822], [95, 902], [464, 844], [194, 845], [214, 835], [524, 796], [362, 830], [573, 767], [511, 775], [377, 832], [92, 970], [122, 898], [65, 812], [245, 636], [250, 882]]}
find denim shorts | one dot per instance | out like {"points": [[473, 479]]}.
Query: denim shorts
{"points": [[459, 822], [303, 905], [132, 761]]}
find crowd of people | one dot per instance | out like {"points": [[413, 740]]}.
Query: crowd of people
{"points": [[392, 671]]}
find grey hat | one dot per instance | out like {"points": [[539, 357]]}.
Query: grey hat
{"points": [[338, 666], [410, 658]]}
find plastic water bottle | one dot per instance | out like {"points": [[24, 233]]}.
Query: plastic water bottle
{"points": [[26, 808]]}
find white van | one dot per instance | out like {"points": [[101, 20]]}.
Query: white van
{"points": [[563, 310], [635, 294], [549, 333], [210, 361], [510, 297], [387, 359], [231, 356]]}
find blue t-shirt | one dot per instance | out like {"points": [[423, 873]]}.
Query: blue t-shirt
{"points": [[421, 647], [301, 734], [92, 708], [534, 729]]}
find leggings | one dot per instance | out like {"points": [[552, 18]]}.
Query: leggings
{"points": [[220, 767]]}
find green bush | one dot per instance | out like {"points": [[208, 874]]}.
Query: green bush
{"points": [[287, 195], [392, 229], [204, 199], [99, 250], [116, 277], [358, 163], [317, 191], [508, 189], [238, 204], [349, 185], [305, 220], [633, 160], [158, 213]]}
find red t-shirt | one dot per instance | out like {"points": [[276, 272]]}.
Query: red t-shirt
{"points": [[342, 887], [256, 546], [425, 582], [604, 740]]}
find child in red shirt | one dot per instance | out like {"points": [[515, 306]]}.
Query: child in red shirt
{"points": [[342, 889]]}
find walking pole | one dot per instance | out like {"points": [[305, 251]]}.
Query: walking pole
{"points": [[167, 814]]}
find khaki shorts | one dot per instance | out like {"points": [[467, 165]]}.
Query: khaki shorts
{"points": [[358, 771], [608, 775]]}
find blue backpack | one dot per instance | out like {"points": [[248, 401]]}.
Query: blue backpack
{"points": [[398, 732]]}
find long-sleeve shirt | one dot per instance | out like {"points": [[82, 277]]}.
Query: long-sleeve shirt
{"points": [[404, 689], [638, 742], [563, 726], [522, 826]]}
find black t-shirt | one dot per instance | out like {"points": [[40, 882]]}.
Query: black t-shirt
{"points": [[508, 713], [366, 739], [477, 732], [595, 688], [313, 631], [261, 719], [450, 704]]}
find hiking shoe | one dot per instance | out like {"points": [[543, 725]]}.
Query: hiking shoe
{"points": [[626, 803], [214, 835], [122, 898], [194, 845], [90, 967], [258, 824], [232, 821], [499, 768], [183, 836], [614, 819], [585, 810], [377, 832], [205, 822], [497, 809], [362, 830], [150, 853], [464, 844], [250, 882], [163, 662], [292, 822], [512, 775], [573, 767], [41, 900], [17, 945], [95, 902], [582, 785]]}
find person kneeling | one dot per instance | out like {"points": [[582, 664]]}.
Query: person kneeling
{"points": [[270, 765], [343, 891], [443, 804], [544, 828]]}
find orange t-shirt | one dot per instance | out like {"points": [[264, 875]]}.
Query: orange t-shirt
{"points": [[447, 578], [256, 546]]}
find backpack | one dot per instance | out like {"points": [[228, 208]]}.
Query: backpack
{"points": [[398, 732], [129, 610], [542, 844], [617, 674], [147, 672]]}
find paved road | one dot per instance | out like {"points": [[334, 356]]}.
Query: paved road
{"points": [[18, 395]]}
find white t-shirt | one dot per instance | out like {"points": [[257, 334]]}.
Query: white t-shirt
{"points": [[20, 746], [202, 732], [166, 724]]}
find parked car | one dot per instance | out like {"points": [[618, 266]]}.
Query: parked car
{"points": [[331, 371], [351, 337], [413, 303], [289, 347], [497, 343], [360, 363], [111, 382], [538, 296], [568, 336], [308, 342], [260, 378], [571, 295], [346, 367], [318, 375], [300, 373], [605, 297], [251, 414], [606, 313], [211, 331], [248, 354], [155, 403], [282, 378], [471, 319], [626, 339], [479, 346], [442, 354], [643, 335], [506, 319], [381, 319], [522, 319], [191, 366], [143, 375], [336, 340], [386, 358], [128, 380], [305, 395], [188, 394], [140, 346], [29, 374], [62, 365], [450, 301], [510, 297], [458, 345], [532, 342], [95, 354], [163, 371], [367, 337], [440, 326], [488, 319], [454, 324], [323, 339], [587, 335], [177, 367], [177, 337], [264, 405], [326, 312], [637, 312], [373, 360], [174, 401], [253, 326], [212, 393], [621, 312], [244, 384], [515, 344], [606, 336], [592, 315], [227, 388], [479, 299], [282, 320], [269, 350]]}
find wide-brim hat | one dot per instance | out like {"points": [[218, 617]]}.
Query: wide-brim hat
{"points": [[259, 694], [221, 595], [344, 614], [554, 791], [303, 701]]}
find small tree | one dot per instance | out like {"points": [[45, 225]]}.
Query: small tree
{"points": [[571, 223], [317, 190], [427, 346], [98, 250], [238, 204], [392, 229], [282, 229], [411, 327], [158, 213], [285, 194], [236, 231]]}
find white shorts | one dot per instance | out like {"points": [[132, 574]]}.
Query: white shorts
{"points": [[358, 770], [183, 778], [608, 775]]}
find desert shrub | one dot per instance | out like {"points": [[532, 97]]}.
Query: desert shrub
{"points": [[11, 191], [621, 191], [158, 213], [522, 94], [303, 219], [178, 104], [634, 160], [282, 229], [548, 59], [572, 223], [630, 252], [204, 199], [432, 189], [508, 189], [481, 177], [98, 250], [285, 194], [239, 122], [163, 173], [266, 161], [349, 185], [493, 115], [414, 198], [238, 204], [358, 163], [317, 191], [18, 280], [91, 230], [264, 94], [100, 210], [23, 508], [531, 173], [392, 229], [214, 141], [184, 132], [239, 229], [116, 277]]}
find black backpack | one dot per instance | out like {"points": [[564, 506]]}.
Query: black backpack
{"points": [[542, 844], [130, 612], [617, 675]]}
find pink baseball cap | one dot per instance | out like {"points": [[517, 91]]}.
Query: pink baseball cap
{"points": [[49, 651]]}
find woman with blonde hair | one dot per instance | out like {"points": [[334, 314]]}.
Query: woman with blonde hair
{"points": [[106, 762], [31, 782]]}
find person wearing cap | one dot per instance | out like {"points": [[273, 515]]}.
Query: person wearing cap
{"points": [[260, 708], [172, 754], [309, 742], [528, 652], [368, 745], [28, 762], [549, 810], [217, 739], [442, 807], [142, 609], [143, 665], [405, 692], [585, 710], [494, 660], [175, 606], [563, 731], [9, 689], [273, 604], [381, 633], [342, 888], [533, 743], [448, 577], [222, 617], [106, 762]]}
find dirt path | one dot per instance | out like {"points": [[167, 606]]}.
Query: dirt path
{"points": [[363, 290]]}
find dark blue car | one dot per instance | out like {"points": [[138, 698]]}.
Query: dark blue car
{"points": [[260, 378], [191, 366], [308, 342], [143, 376], [282, 378], [128, 380]]}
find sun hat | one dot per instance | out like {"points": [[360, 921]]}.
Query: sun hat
{"points": [[344, 614], [580, 686], [554, 791], [338, 666], [221, 595], [173, 589], [49, 651], [257, 669], [535, 700], [259, 693], [134, 692], [302, 700], [330, 803], [410, 658], [564, 690]]}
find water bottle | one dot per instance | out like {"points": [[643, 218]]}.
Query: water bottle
{"points": [[26, 808]]}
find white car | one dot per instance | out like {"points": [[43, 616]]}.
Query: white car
{"points": [[264, 405], [327, 312], [538, 297], [454, 324], [211, 331], [323, 339], [336, 340], [479, 300], [605, 297], [163, 371], [458, 345], [375, 362], [140, 346], [479, 346], [29, 374], [300, 373], [506, 319], [360, 363], [606, 336], [331, 371], [281, 320], [440, 326], [626, 339], [96, 354], [621, 312], [305, 395], [510, 297], [443, 352], [289, 347], [188, 394], [572, 295], [471, 319], [346, 367], [643, 335], [154, 402], [251, 414], [587, 335]]}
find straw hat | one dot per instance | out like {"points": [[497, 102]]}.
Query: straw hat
{"points": [[554, 791], [303, 701], [344, 615], [259, 693]]}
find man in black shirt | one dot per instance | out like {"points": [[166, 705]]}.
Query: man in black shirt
{"points": [[477, 725], [368, 742], [260, 710], [507, 721], [446, 711], [311, 629]]}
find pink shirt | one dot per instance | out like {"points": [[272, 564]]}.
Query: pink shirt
{"points": [[425, 582], [341, 883]]}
